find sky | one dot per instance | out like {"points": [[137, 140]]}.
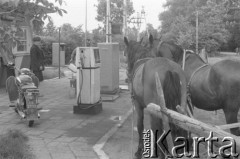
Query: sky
{"points": [[77, 13]]}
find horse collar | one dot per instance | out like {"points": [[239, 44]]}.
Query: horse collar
{"points": [[140, 62], [192, 75], [134, 74]]}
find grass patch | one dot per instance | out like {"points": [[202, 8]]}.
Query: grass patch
{"points": [[13, 145]]}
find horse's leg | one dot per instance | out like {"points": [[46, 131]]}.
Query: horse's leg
{"points": [[231, 117], [140, 116]]}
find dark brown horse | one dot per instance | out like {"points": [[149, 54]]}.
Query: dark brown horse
{"points": [[169, 50], [166, 49], [142, 68], [212, 87]]}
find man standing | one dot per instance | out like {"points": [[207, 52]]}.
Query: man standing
{"points": [[37, 58]]}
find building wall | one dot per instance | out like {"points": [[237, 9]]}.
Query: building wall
{"points": [[22, 54]]}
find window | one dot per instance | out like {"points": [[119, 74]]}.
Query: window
{"points": [[97, 56], [22, 37]]}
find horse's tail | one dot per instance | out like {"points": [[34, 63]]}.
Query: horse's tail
{"points": [[172, 90], [173, 94]]}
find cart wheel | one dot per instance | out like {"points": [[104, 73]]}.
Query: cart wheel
{"points": [[30, 123]]}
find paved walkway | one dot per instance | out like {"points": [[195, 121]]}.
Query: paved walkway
{"points": [[60, 134]]}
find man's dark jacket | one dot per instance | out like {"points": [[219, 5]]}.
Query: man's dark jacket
{"points": [[36, 58]]}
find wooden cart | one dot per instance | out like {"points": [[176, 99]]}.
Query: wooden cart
{"points": [[196, 127]]}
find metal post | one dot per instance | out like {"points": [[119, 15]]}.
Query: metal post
{"points": [[59, 54], [197, 33], [125, 18], [107, 21], [86, 26], [110, 22]]}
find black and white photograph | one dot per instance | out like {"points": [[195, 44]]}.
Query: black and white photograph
{"points": [[119, 79]]}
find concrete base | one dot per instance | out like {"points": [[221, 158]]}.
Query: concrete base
{"points": [[88, 108], [115, 91], [110, 96]]}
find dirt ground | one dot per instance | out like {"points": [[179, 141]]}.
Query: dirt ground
{"points": [[123, 144]]}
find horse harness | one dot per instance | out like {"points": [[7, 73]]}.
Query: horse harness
{"points": [[136, 67], [194, 73], [189, 85]]}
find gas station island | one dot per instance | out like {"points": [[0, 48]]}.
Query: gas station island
{"points": [[97, 76]]}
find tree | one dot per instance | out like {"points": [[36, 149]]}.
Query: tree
{"points": [[98, 36], [33, 12], [116, 10], [50, 29], [13, 3], [72, 35], [232, 22], [179, 23]]}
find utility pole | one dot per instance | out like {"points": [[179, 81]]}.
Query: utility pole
{"points": [[108, 26], [86, 26], [59, 49], [138, 21], [109, 22], [197, 32], [125, 18]]}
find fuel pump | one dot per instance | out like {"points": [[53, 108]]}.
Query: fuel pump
{"points": [[87, 69]]}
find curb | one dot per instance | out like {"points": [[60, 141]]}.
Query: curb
{"points": [[103, 140]]}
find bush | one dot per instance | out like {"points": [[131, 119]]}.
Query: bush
{"points": [[13, 145], [47, 48]]}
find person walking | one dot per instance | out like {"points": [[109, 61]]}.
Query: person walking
{"points": [[37, 58]]}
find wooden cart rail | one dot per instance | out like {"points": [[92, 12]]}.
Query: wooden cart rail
{"points": [[194, 126], [190, 124]]}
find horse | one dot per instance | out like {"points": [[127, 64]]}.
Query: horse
{"points": [[172, 51], [142, 67], [169, 50], [212, 87]]}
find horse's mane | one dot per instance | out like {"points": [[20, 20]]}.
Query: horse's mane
{"points": [[176, 50], [135, 52]]}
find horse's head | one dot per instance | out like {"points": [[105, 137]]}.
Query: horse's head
{"points": [[170, 50], [152, 44], [134, 51], [193, 59]]}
